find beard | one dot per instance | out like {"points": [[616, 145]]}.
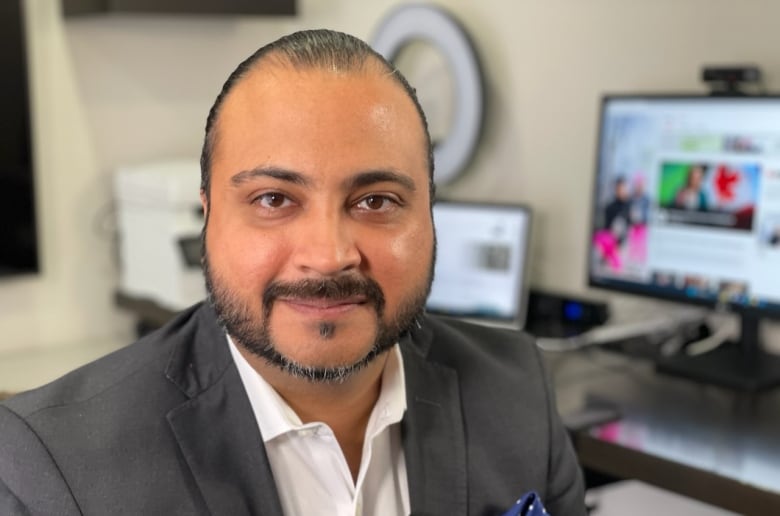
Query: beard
{"points": [[252, 331]]}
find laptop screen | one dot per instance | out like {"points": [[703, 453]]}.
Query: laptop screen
{"points": [[481, 261]]}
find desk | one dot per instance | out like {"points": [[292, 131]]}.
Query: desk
{"points": [[704, 442], [149, 315]]}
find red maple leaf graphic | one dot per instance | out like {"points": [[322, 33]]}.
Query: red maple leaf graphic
{"points": [[726, 181]]}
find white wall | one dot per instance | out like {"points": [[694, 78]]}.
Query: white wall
{"points": [[110, 90], [70, 301]]}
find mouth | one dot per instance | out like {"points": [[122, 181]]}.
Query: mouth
{"points": [[322, 307]]}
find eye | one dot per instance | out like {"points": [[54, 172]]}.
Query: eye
{"points": [[272, 200], [376, 203]]}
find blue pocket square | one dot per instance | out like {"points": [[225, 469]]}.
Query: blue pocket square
{"points": [[528, 505]]}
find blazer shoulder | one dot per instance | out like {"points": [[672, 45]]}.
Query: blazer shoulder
{"points": [[30, 480]]}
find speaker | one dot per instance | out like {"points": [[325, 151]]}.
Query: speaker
{"points": [[562, 315]]}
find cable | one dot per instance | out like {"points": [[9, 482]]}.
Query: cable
{"points": [[658, 330], [724, 331]]}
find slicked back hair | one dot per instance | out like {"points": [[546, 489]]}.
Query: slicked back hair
{"points": [[320, 49]]}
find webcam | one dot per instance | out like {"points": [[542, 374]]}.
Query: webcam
{"points": [[729, 79]]}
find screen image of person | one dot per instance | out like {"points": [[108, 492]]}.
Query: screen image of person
{"points": [[691, 196], [311, 380]]}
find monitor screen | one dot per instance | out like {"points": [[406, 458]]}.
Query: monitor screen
{"points": [[687, 200], [481, 258]]}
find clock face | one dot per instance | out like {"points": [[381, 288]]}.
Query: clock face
{"points": [[446, 73]]}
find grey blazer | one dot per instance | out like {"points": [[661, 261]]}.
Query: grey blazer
{"points": [[164, 426]]}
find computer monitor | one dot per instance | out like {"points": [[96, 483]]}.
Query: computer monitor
{"points": [[687, 208], [481, 257], [18, 230]]}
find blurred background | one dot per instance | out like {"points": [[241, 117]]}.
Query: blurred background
{"points": [[111, 91], [115, 90]]}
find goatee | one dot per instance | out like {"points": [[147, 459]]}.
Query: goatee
{"points": [[252, 331]]}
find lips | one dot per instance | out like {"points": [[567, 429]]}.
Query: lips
{"points": [[324, 306]]}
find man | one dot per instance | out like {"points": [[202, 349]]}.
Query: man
{"points": [[312, 382], [617, 214]]}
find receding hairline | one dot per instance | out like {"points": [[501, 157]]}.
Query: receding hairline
{"points": [[326, 60], [279, 59]]}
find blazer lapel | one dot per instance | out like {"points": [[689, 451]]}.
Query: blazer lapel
{"points": [[216, 428], [220, 441], [222, 445], [433, 435]]}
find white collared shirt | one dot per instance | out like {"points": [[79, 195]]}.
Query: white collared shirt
{"points": [[309, 468]]}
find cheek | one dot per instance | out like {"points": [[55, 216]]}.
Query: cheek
{"points": [[405, 263], [245, 263]]}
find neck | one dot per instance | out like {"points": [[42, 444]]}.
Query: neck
{"points": [[345, 407]]}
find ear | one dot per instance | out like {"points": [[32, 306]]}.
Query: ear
{"points": [[204, 202]]}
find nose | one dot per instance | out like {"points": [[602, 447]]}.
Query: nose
{"points": [[326, 244]]}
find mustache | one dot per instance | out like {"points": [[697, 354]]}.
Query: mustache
{"points": [[336, 288]]}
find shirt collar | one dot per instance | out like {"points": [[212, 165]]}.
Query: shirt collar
{"points": [[275, 417], [391, 404]]}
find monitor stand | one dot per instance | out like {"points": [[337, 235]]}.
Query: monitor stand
{"points": [[740, 365]]}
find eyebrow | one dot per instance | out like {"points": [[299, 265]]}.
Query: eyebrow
{"points": [[360, 180], [379, 176], [273, 172]]}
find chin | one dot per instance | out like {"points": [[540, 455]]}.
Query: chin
{"points": [[326, 344]]}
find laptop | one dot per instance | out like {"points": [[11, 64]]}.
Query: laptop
{"points": [[481, 262]]}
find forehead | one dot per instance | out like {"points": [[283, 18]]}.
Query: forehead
{"points": [[280, 113]]}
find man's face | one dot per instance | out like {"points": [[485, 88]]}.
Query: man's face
{"points": [[621, 190], [319, 241]]}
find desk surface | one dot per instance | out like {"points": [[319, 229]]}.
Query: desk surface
{"points": [[701, 441]]}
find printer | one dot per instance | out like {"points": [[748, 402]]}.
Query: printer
{"points": [[160, 219]]}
